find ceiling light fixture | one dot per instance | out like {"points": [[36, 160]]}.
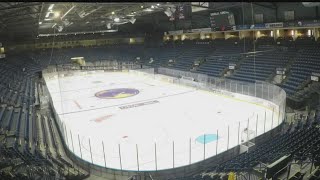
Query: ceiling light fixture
{"points": [[112, 12], [116, 19], [56, 14], [50, 7], [152, 6]]}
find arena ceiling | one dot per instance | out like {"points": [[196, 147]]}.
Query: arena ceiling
{"points": [[21, 20]]}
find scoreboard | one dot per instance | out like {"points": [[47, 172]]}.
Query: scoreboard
{"points": [[222, 21]]}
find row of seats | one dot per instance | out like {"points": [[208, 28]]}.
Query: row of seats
{"points": [[301, 57], [27, 136], [305, 63], [227, 51], [261, 66], [30, 147]]}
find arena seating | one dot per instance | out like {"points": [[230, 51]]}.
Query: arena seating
{"points": [[191, 52], [63, 56], [260, 67], [29, 147], [306, 62], [299, 142], [216, 56], [226, 51], [265, 40], [29, 137], [285, 41], [162, 55]]}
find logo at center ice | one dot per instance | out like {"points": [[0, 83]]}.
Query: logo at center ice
{"points": [[117, 93]]}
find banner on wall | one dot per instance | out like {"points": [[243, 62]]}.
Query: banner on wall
{"points": [[175, 32], [258, 26], [290, 24], [201, 30], [274, 25], [242, 27], [311, 23], [187, 31]]}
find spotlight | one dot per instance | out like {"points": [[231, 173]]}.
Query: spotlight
{"points": [[112, 12], [141, 6], [152, 6], [56, 14], [40, 22], [158, 4]]}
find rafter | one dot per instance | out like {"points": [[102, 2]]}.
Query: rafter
{"points": [[18, 16], [21, 5]]}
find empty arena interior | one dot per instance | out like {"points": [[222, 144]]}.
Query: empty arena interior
{"points": [[167, 90]]}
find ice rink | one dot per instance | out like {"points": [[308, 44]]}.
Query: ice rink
{"points": [[129, 121]]}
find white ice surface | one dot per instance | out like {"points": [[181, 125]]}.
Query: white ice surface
{"points": [[182, 115]]}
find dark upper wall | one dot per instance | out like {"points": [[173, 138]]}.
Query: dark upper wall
{"points": [[277, 14], [300, 12], [159, 22], [269, 15]]}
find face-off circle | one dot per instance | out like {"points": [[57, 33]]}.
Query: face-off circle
{"points": [[117, 93]]}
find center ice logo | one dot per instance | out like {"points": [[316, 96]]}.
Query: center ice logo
{"points": [[117, 93]]}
